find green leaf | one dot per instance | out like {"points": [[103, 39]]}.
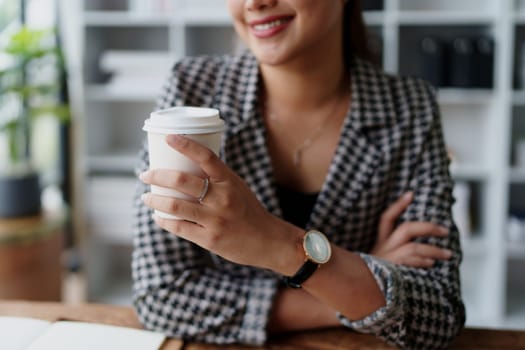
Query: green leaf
{"points": [[9, 126], [32, 91], [13, 148], [30, 50], [61, 111], [28, 43]]}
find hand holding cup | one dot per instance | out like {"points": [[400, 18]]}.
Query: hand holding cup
{"points": [[229, 221], [200, 124]]}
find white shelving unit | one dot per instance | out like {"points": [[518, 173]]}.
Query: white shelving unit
{"points": [[125, 19], [482, 126]]}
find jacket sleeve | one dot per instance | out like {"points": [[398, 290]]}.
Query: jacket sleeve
{"points": [[178, 290], [424, 309]]}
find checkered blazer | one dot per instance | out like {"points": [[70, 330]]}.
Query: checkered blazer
{"points": [[391, 142]]}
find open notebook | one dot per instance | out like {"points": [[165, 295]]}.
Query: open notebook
{"points": [[18, 333]]}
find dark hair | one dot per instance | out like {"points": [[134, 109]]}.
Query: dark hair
{"points": [[355, 35]]}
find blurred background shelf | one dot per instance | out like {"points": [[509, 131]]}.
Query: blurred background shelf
{"points": [[464, 7], [470, 172], [451, 96], [445, 18], [104, 92], [515, 318], [218, 15], [474, 246], [519, 18], [124, 19], [516, 250], [117, 162], [517, 175], [518, 98]]}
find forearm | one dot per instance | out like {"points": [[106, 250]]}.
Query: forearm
{"points": [[346, 284], [295, 309], [374, 296]]}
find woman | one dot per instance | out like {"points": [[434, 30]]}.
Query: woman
{"points": [[317, 141]]}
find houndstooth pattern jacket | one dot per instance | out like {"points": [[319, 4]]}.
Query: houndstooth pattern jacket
{"points": [[391, 142]]}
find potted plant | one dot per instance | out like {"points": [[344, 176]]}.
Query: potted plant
{"points": [[30, 64]]}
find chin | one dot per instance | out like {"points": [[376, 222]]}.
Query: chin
{"points": [[269, 61], [270, 57]]}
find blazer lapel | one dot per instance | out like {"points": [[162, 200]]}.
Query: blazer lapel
{"points": [[359, 151], [245, 142]]}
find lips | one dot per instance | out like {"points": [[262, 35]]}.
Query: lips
{"points": [[269, 26]]}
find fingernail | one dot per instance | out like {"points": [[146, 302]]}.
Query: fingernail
{"points": [[143, 196], [448, 253], [443, 230], [408, 196], [143, 176]]}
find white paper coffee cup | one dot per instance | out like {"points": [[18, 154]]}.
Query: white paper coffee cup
{"points": [[203, 125]]}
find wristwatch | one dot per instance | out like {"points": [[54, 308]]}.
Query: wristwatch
{"points": [[317, 250]]}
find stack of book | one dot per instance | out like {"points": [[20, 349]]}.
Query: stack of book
{"points": [[151, 6], [146, 70]]}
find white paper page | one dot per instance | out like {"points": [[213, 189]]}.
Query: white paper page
{"points": [[16, 333], [65, 335]]}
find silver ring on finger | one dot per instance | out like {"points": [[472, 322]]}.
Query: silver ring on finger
{"points": [[204, 191]]}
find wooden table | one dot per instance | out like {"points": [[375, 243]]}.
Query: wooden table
{"points": [[331, 339]]}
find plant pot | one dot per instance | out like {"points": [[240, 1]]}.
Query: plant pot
{"points": [[19, 195]]}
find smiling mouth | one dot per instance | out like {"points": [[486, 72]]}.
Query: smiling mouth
{"points": [[272, 24]]}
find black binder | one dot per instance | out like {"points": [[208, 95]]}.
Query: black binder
{"points": [[433, 61], [484, 62], [461, 63]]}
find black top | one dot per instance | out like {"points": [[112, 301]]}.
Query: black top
{"points": [[296, 206]]}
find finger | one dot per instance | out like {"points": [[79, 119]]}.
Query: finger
{"points": [[187, 230], [203, 156], [410, 230], [427, 251], [183, 182], [181, 208], [416, 261], [393, 212]]}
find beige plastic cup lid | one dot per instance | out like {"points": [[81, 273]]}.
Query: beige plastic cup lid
{"points": [[184, 120]]}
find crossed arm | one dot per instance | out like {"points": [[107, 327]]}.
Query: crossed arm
{"points": [[296, 309]]}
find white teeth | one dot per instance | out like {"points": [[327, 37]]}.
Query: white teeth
{"points": [[269, 25]]}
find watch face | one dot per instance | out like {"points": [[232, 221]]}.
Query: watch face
{"points": [[317, 247]]}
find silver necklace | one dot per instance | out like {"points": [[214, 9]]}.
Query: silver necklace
{"points": [[309, 141]]}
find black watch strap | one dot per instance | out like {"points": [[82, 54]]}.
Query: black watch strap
{"points": [[302, 275]]}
